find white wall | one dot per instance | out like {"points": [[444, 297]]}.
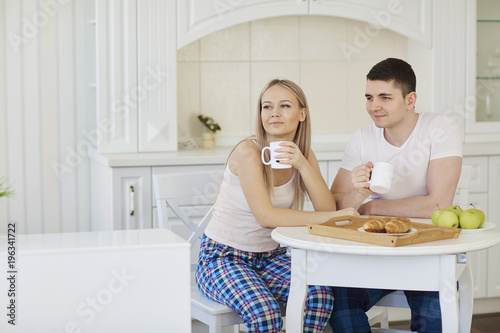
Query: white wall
{"points": [[43, 116]]}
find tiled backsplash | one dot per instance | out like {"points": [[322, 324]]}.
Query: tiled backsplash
{"points": [[221, 75]]}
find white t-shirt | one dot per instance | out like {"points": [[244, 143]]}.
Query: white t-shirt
{"points": [[434, 136]]}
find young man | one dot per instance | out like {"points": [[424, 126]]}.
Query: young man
{"points": [[426, 152]]}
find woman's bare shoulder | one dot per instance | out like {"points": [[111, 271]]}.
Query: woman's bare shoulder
{"points": [[245, 154]]}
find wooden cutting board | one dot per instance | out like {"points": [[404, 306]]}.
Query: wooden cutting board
{"points": [[346, 227]]}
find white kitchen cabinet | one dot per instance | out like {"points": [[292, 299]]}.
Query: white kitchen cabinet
{"points": [[115, 281], [485, 195], [478, 196], [116, 71], [121, 199], [198, 18], [132, 189], [494, 216], [136, 76], [323, 166], [479, 173], [333, 169], [157, 75], [482, 109], [479, 259]]}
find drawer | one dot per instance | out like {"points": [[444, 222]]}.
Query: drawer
{"points": [[479, 174]]}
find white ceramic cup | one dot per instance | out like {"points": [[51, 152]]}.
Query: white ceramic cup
{"points": [[274, 162], [381, 179]]}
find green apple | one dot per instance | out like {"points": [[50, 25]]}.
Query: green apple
{"points": [[480, 212], [436, 214], [470, 219], [448, 219], [455, 209], [483, 217]]}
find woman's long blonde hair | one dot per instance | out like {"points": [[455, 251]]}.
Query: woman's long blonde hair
{"points": [[302, 138]]}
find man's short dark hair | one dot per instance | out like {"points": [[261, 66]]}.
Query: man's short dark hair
{"points": [[395, 69]]}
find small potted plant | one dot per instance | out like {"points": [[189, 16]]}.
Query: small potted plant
{"points": [[5, 190], [208, 137]]}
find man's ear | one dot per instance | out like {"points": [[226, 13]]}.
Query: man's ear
{"points": [[303, 114], [411, 100]]}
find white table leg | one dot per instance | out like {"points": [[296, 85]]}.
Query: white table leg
{"points": [[298, 292], [466, 296], [448, 299]]}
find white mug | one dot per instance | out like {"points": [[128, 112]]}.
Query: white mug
{"points": [[274, 162], [381, 179]]}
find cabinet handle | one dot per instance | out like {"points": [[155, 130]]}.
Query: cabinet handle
{"points": [[132, 201]]}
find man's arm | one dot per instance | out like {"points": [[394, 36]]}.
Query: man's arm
{"points": [[442, 179], [350, 188]]}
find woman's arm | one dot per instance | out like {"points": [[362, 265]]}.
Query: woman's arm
{"points": [[246, 164]]}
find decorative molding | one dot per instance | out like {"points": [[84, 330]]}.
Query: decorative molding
{"points": [[409, 18], [157, 68], [198, 18], [449, 42], [118, 91]]}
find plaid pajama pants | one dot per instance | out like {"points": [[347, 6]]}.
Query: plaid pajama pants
{"points": [[350, 305], [252, 283]]}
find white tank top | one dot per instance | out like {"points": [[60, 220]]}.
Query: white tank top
{"points": [[233, 222]]}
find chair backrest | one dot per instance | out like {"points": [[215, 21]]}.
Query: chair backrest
{"points": [[187, 197], [463, 186]]}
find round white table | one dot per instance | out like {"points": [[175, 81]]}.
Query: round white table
{"points": [[432, 266]]}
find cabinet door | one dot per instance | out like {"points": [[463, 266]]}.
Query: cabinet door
{"points": [[479, 259], [479, 173], [198, 18], [483, 112], [479, 266], [131, 198], [333, 169], [156, 89], [323, 166], [494, 216], [117, 89]]}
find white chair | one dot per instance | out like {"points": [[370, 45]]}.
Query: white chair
{"points": [[185, 196], [398, 299]]}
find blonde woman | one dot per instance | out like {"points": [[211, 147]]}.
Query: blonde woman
{"points": [[240, 265]]}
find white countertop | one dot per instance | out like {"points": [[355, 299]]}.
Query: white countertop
{"points": [[98, 241], [218, 155]]}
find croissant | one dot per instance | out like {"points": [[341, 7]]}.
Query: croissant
{"points": [[375, 225], [398, 225]]}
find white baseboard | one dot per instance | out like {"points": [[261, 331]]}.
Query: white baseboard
{"points": [[486, 305]]}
